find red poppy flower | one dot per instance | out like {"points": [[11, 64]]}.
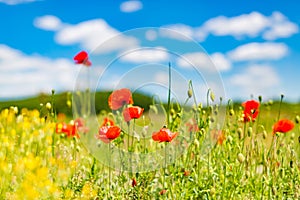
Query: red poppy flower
{"points": [[162, 192], [80, 125], [133, 183], [82, 58], [164, 135], [133, 112], [68, 129], [109, 133], [119, 98], [283, 126], [192, 125], [250, 110], [219, 136], [186, 173], [107, 122]]}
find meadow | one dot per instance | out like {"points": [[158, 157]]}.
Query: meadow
{"points": [[250, 155]]}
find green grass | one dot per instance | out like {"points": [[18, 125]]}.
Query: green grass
{"points": [[249, 163]]}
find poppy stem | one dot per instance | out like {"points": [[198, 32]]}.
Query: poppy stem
{"points": [[165, 166], [169, 95], [194, 98], [281, 98], [128, 131], [244, 137], [272, 144], [109, 168]]}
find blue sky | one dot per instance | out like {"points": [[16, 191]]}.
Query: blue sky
{"points": [[252, 46]]}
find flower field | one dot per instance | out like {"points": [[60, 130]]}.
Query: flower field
{"points": [[253, 155]]}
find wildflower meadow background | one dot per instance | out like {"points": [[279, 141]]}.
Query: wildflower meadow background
{"points": [[203, 103]]}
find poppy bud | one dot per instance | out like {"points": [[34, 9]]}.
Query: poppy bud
{"points": [[16, 110], [69, 104], [260, 98], [297, 119], [179, 115], [200, 106], [250, 130], [212, 191], [190, 93], [270, 102], [265, 134], [240, 132], [154, 108], [241, 158], [231, 112], [292, 136], [197, 144], [203, 131], [212, 96], [48, 105], [230, 139], [172, 112], [291, 164]]}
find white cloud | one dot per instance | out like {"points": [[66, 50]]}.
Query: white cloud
{"points": [[250, 25], [131, 6], [244, 25], [48, 22], [91, 35], [259, 51], [221, 62], [15, 2], [26, 75], [202, 61], [280, 27], [255, 80], [178, 31], [146, 55]]}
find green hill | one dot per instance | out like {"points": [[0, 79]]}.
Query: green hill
{"points": [[60, 102]]}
